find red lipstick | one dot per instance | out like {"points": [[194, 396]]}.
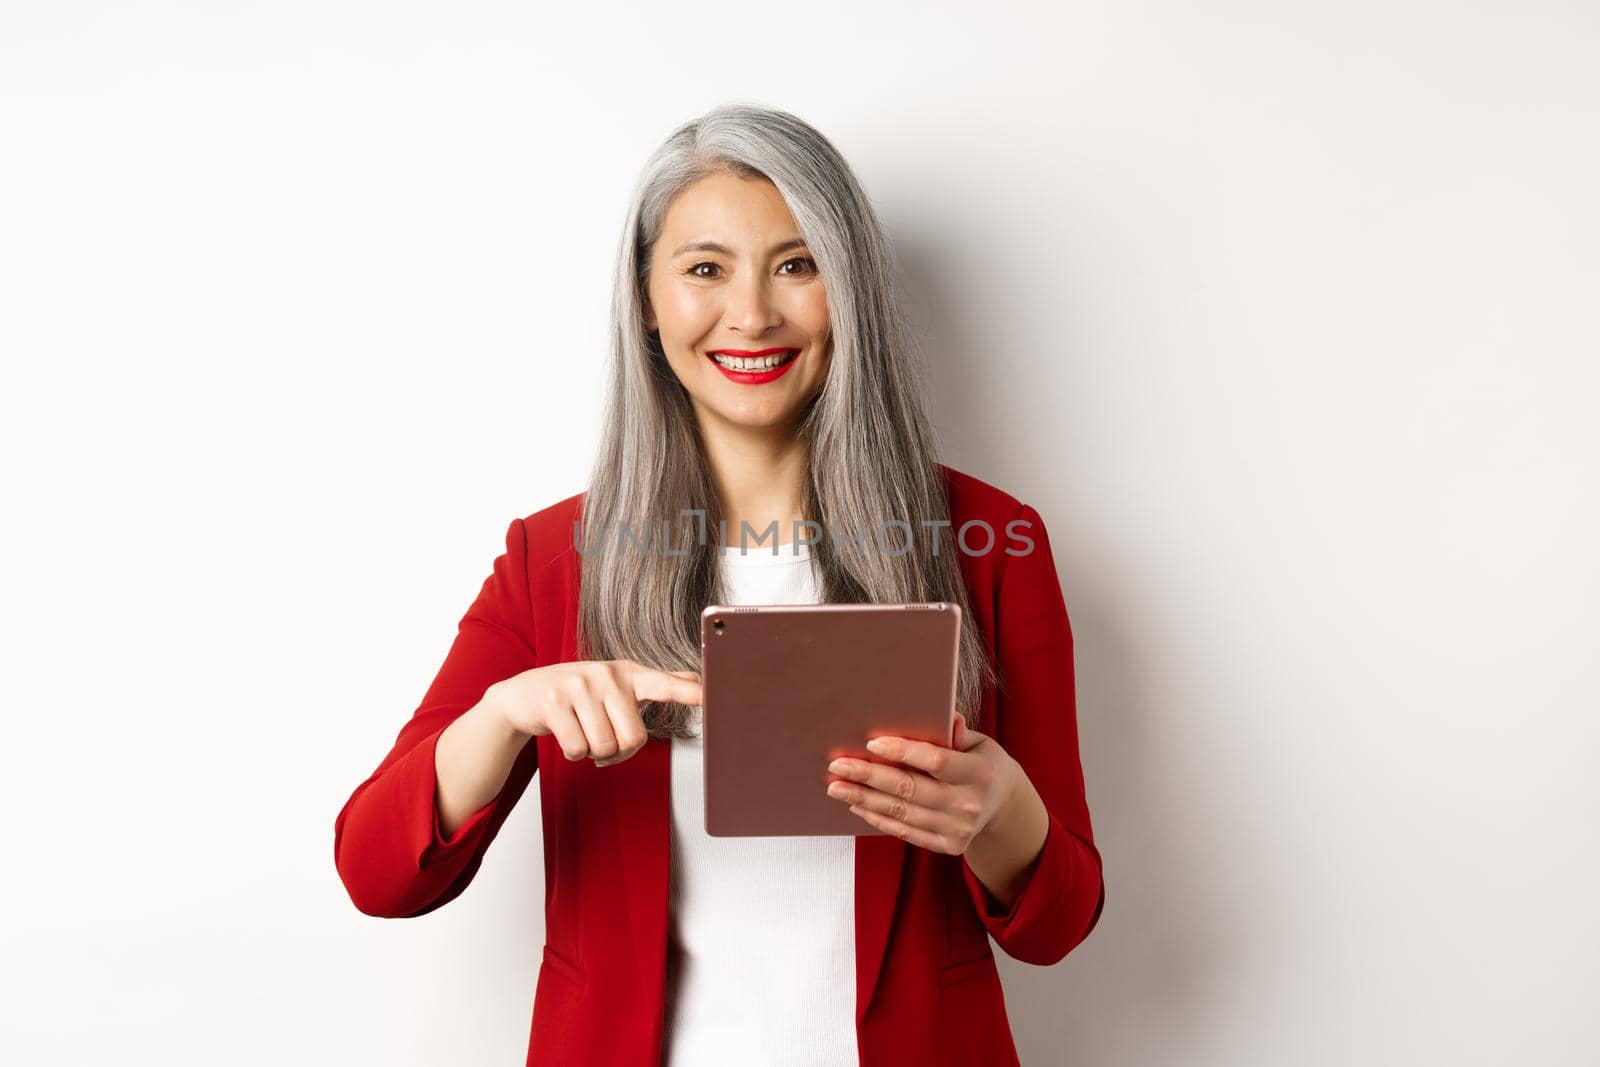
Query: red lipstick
{"points": [[758, 377]]}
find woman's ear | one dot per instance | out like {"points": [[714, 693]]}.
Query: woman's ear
{"points": [[649, 316]]}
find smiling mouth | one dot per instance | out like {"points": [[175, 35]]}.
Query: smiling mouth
{"points": [[753, 362]]}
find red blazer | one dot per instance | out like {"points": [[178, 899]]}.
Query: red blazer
{"points": [[927, 988]]}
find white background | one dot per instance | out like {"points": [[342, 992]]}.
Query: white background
{"points": [[1282, 315]]}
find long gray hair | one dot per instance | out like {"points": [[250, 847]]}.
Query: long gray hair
{"points": [[871, 452]]}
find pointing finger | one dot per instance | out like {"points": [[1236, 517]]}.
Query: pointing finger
{"points": [[667, 686]]}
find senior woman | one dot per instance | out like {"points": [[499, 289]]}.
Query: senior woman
{"points": [[761, 374]]}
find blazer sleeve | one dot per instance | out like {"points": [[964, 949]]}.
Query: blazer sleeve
{"points": [[1036, 723], [387, 844]]}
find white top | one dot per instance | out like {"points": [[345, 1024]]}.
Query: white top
{"points": [[761, 955]]}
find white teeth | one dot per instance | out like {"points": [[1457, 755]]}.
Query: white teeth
{"points": [[757, 363]]}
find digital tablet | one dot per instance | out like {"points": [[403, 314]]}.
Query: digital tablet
{"points": [[788, 688]]}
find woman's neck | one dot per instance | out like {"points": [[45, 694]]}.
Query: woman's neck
{"points": [[759, 479]]}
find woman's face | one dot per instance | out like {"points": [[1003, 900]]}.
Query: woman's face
{"points": [[730, 274]]}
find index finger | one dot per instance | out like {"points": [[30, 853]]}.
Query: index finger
{"points": [[936, 761], [651, 684]]}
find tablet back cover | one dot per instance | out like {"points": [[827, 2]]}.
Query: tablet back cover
{"points": [[789, 688]]}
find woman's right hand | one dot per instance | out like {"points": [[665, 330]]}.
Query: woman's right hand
{"points": [[590, 706]]}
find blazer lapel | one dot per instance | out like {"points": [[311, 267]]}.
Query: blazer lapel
{"points": [[642, 806], [879, 861]]}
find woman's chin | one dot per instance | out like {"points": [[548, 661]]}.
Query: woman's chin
{"points": [[755, 417]]}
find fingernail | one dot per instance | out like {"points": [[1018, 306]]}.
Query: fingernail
{"points": [[877, 746]]}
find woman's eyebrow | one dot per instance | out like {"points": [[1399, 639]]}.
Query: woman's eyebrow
{"points": [[712, 246]]}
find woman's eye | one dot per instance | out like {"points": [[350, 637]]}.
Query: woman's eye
{"points": [[695, 270], [810, 264]]}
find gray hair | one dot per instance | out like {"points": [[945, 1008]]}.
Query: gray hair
{"points": [[871, 450]]}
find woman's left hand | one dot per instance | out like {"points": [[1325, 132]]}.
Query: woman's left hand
{"points": [[928, 795]]}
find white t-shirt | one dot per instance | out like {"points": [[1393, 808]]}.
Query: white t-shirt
{"points": [[761, 954]]}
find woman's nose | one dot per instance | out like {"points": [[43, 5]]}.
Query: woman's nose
{"points": [[750, 308]]}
